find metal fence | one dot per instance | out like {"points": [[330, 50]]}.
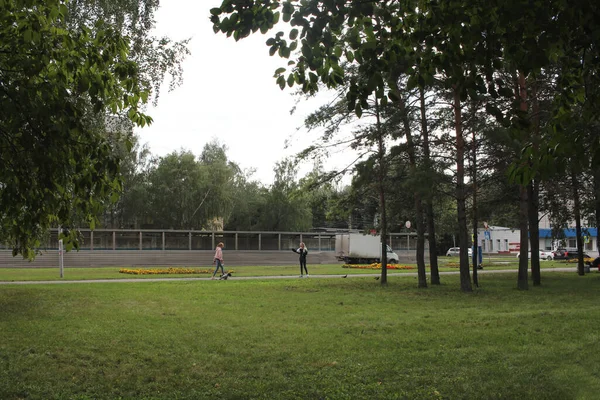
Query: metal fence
{"points": [[150, 239], [104, 247]]}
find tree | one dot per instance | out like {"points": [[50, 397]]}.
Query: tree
{"points": [[464, 45], [131, 210], [191, 193], [249, 199], [156, 57], [56, 85], [286, 207], [320, 192], [176, 189], [220, 175]]}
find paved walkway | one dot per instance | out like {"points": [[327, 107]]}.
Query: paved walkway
{"points": [[237, 278]]}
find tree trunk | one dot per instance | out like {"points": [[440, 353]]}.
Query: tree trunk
{"points": [[421, 272], [420, 243], [381, 180], [463, 236], [429, 214], [577, 215], [534, 194], [534, 231], [383, 229], [522, 282], [475, 221]]}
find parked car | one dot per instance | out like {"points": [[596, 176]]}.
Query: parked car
{"points": [[455, 251], [567, 254], [544, 255]]}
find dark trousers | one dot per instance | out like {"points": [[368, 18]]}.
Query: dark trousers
{"points": [[303, 264]]}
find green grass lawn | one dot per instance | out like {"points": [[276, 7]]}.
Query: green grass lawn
{"points": [[40, 274], [302, 339]]}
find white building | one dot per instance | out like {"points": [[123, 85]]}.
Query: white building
{"points": [[499, 240], [502, 240]]}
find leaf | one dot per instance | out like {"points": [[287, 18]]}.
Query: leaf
{"points": [[349, 55], [358, 110], [281, 82]]}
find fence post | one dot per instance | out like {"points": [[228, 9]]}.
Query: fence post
{"points": [[60, 257], [213, 239], [319, 242], [141, 240], [114, 240], [91, 240], [190, 240], [236, 241], [279, 241], [163, 241], [259, 241]]}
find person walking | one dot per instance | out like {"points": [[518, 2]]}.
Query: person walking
{"points": [[218, 259], [303, 251]]}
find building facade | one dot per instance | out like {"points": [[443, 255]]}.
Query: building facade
{"points": [[503, 240]]}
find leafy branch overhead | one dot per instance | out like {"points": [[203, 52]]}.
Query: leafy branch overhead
{"points": [[59, 87], [465, 42]]}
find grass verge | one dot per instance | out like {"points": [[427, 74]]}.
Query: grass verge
{"points": [[48, 274], [301, 339]]}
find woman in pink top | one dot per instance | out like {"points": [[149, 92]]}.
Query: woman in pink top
{"points": [[218, 260]]}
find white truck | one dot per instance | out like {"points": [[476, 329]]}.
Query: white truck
{"points": [[358, 248]]}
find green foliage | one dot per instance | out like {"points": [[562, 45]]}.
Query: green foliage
{"points": [[467, 45], [131, 208], [57, 86], [189, 193], [157, 57], [286, 205], [322, 197]]}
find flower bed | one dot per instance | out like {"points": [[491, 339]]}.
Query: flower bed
{"points": [[377, 266], [585, 260], [165, 271]]}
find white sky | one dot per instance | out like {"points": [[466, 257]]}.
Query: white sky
{"points": [[228, 93]]}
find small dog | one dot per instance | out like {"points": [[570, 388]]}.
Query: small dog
{"points": [[225, 276]]}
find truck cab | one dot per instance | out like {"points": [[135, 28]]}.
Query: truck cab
{"points": [[392, 257]]}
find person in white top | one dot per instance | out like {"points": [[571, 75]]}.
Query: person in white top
{"points": [[303, 251]]}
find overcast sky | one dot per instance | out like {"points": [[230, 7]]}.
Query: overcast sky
{"points": [[228, 93]]}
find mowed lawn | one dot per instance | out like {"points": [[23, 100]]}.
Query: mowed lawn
{"points": [[302, 339], [446, 264]]}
